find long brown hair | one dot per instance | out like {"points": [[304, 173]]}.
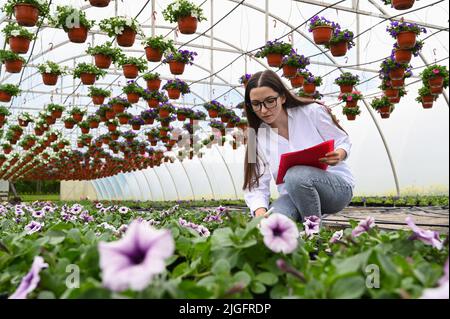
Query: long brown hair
{"points": [[272, 80]]}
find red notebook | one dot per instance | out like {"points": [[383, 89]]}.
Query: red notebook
{"points": [[307, 157]]}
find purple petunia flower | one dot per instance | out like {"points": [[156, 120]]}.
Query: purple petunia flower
{"points": [[31, 280], [38, 214], [280, 233], [131, 262], [86, 217], [428, 237], [312, 225], [364, 226], [33, 227], [124, 210], [337, 236], [99, 206]]}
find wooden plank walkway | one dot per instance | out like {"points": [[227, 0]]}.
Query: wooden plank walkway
{"points": [[433, 218]]}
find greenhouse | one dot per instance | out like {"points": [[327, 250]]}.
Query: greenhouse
{"points": [[224, 149]]}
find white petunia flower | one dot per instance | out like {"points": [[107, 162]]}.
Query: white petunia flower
{"points": [[15, 33]]}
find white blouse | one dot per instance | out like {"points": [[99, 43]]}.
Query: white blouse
{"points": [[308, 126]]}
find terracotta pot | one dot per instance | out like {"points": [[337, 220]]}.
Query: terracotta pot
{"points": [[154, 85], [88, 78], [19, 45], [78, 35], [118, 108], [110, 114], [94, 125], [187, 25], [69, 125], [153, 103], [397, 84], [339, 49], [133, 98], [322, 35], [385, 115], [391, 93], [27, 15], [309, 88], [346, 88], [395, 100], [77, 117], [123, 120], [112, 127], [99, 3], [13, 66], [164, 113], [437, 90], [85, 130], [174, 94], [385, 109], [403, 4], [397, 74], [102, 61], [49, 79], [127, 38], [403, 56], [289, 71], [427, 101], [57, 114], [351, 104], [351, 117], [2, 118], [5, 97], [153, 55], [136, 127], [406, 40], [149, 121], [181, 117], [177, 68], [213, 113], [297, 82], [98, 99], [130, 71], [275, 60], [436, 82]]}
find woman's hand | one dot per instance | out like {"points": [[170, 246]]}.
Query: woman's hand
{"points": [[260, 212], [334, 158]]}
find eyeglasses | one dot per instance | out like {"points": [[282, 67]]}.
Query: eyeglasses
{"points": [[269, 103]]}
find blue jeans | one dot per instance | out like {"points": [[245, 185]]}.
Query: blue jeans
{"points": [[312, 191]]}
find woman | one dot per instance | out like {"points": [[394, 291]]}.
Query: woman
{"points": [[283, 123]]}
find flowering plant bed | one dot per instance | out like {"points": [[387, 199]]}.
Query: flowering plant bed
{"points": [[192, 243]]}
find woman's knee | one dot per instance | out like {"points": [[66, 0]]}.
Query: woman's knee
{"points": [[299, 176]]}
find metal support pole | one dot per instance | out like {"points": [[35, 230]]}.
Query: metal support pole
{"points": [[153, 18], [267, 20], [212, 53]]}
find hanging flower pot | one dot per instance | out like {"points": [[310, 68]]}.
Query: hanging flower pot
{"points": [[188, 25], [130, 71], [391, 93], [133, 98], [136, 127], [289, 71], [181, 117], [123, 120], [98, 99], [174, 94], [49, 79], [26, 15], [164, 113], [395, 100], [118, 108], [78, 34], [428, 101], [275, 60], [177, 68], [153, 103], [346, 88], [88, 78], [77, 117], [297, 81], [127, 38], [154, 85], [19, 44], [153, 55], [322, 34], [5, 97], [309, 88], [99, 3], [213, 113], [351, 117], [69, 125], [406, 39], [112, 127], [403, 56], [403, 4], [339, 49], [437, 81], [437, 90], [397, 83], [351, 104], [13, 66], [397, 74], [110, 114], [102, 61]]}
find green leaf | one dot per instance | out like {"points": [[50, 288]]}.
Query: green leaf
{"points": [[46, 295], [4, 248], [221, 238], [352, 264], [180, 270], [267, 278], [348, 288], [258, 288], [221, 267], [56, 237], [242, 277]]}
